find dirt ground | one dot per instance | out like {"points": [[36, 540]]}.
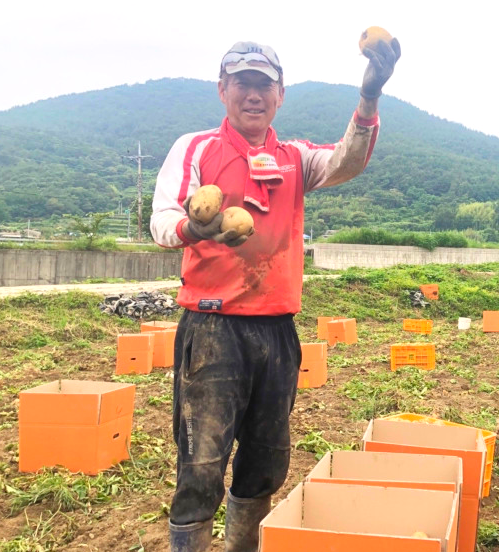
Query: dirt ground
{"points": [[104, 288], [114, 529], [119, 526]]}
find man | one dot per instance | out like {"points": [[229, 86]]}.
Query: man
{"points": [[237, 353]]}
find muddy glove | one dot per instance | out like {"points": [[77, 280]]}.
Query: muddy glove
{"points": [[211, 231], [381, 64]]}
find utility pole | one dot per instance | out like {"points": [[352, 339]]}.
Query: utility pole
{"points": [[127, 212], [138, 158]]}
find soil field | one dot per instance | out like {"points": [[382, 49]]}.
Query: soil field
{"points": [[65, 336]]}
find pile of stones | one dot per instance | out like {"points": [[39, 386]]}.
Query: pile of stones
{"points": [[144, 305]]}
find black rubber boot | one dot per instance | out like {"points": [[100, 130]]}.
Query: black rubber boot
{"points": [[194, 537], [242, 522]]}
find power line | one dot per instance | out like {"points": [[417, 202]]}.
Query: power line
{"points": [[41, 192]]}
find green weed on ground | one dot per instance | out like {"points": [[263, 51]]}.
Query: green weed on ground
{"points": [[316, 443], [378, 393]]}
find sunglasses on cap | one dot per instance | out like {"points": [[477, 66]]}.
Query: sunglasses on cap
{"points": [[234, 62]]}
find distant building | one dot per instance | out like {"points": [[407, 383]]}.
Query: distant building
{"points": [[30, 234]]}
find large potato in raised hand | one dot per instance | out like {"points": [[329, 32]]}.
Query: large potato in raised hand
{"points": [[372, 35], [238, 219], [205, 203]]}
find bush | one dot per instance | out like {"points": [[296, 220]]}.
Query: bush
{"points": [[101, 244], [425, 240]]}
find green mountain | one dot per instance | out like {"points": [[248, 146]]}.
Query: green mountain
{"points": [[69, 155]]}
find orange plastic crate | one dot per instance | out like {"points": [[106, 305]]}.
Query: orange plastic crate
{"points": [[487, 478], [430, 291], [421, 355], [491, 321], [488, 436], [417, 325]]}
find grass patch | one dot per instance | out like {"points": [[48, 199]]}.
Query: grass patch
{"points": [[379, 393], [488, 534], [314, 442]]}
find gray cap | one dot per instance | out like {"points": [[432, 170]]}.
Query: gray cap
{"points": [[250, 56]]}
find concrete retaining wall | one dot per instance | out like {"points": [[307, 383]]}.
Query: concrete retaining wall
{"points": [[38, 267], [341, 256]]}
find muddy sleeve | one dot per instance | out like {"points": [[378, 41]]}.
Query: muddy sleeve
{"points": [[331, 164], [173, 184]]}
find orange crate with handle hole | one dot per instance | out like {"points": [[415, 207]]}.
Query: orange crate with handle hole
{"points": [[134, 354], [313, 368], [421, 355], [488, 436], [417, 325], [430, 291]]}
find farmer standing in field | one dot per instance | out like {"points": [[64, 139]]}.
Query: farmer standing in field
{"points": [[237, 353]]}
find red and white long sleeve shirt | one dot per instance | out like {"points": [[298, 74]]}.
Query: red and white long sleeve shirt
{"points": [[264, 275]]}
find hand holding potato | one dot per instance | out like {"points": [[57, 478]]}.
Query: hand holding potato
{"points": [[205, 203], [206, 222], [237, 219], [383, 51]]}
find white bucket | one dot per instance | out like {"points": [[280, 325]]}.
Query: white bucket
{"points": [[463, 323]]}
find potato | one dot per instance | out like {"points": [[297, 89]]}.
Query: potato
{"points": [[205, 203], [372, 35], [237, 218], [420, 535]]}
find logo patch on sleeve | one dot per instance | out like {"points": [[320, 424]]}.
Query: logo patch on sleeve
{"points": [[210, 304]]}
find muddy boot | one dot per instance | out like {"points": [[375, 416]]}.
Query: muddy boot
{"points": [[194, 537], [242, 522]]}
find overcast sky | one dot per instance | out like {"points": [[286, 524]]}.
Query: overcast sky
{"points": [[449, 64]]}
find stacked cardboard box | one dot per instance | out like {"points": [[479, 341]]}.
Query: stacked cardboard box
{"points": [[489, 438], [463, 442], [390, 469], [341, 330], [313, 368], [360, 518], [414, 487], [337, 329], [164, 342], [134, 354]]}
